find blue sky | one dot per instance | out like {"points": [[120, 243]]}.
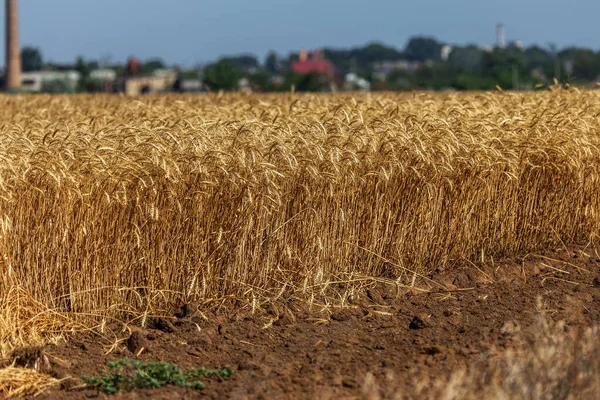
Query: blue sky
{"points": [[194, 31]]}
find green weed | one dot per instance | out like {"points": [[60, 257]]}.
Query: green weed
{"points": [[126, 374]]}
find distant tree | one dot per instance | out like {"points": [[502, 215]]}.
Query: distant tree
{"points": [[360, 59], [439, 76], [469, 57], [272, 62], [293, 56], [31, 59], [93, 64], [400, 79], [302, 83], [222, 75], [567, 53], [152, 64], [586, 65], [243, 62], [536, 57], [376, 52], [422, 48], [501, 65], [471, 81], [84, 73], [260, 80], [57, 86]]}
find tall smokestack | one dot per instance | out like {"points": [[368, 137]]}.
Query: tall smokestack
{"points": [[13, 54], [500, 36]]}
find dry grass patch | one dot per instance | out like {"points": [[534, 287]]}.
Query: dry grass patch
{"points": [[24, 382], [556, 364], [26, 322]]}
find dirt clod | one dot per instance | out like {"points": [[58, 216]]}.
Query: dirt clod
{"points": [[510, 328], [341, 316], [349, 383], [137, 342], [418, 323], [187, 310], [165, 325], [375, 297], [432, 350], [30, 357]]}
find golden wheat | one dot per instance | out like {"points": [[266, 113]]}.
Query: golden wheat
{"points": [[120, 207]]}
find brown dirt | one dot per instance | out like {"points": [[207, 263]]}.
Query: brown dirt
{"points": [[288, 351]]}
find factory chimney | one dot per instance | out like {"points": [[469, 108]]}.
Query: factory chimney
{"points": [[13, 54]]}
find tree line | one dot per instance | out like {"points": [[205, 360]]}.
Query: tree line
{"points": [[467, 67]]}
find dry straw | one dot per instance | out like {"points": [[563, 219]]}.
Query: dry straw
{"points": [[19, 382]]}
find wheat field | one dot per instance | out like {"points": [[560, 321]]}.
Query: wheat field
{"points": [[113, 207]]}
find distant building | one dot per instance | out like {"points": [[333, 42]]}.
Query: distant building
{"points": [[313, 63], [191, 85], [445, 53], [103, 75], [161, 80], [276, 80], [516, 45], [133, 66], [569, 66], [500, 36], [538, 73], [39, 81], [244, 85], [382, 69], [355, 82]]}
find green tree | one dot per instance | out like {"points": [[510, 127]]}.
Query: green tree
{"points": [[537, 57], [422, 48], [376, 52], [152, 64], [56, 86], [84, 73], [272, 62], [222, 75], [503, 66], [360, 59], [243, 62], [470, 57], [31, 59], [260, 80], [586, 65], [302, 83], [400, 79], [439, 76]]}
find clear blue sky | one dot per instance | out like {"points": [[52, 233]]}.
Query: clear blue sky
{"points": [[192, 31]]}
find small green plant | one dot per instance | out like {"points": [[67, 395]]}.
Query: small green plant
{"points": [[126, 374]]}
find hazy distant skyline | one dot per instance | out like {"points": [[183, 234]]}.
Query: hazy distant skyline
{"points": [[188, 32]]}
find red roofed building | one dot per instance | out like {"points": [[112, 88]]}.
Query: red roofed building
{"points": [[315, 63]]}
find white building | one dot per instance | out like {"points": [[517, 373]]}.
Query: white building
{"points": [[191, 85], [37, 80], [103, 75], [381, 69], [445, 53], [355, 82]]}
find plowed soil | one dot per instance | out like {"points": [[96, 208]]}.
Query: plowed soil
{"points": [[288, 350]]}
